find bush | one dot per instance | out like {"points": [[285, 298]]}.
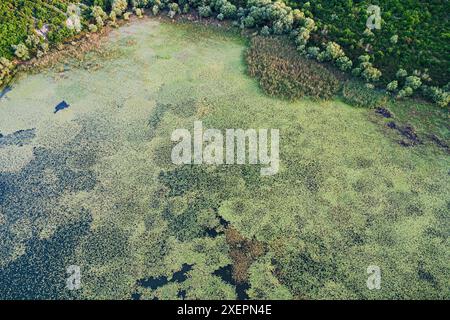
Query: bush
{"points": [[119, 7], [228, 10], [265, 31], [392, 86], [274, 61], [139, 12], [394, 39], [97, 12], [204, 11], [366, 70], [344, 63], [439, 96], [93, 28], [401, 73], [140, 3], [334, 51], [6, 67], [405, 92], [313, 52], [21, 51], [413, 82], [357, 94], [126, 16]]}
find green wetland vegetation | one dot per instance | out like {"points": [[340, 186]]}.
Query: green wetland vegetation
{"points": [[363, 179]]}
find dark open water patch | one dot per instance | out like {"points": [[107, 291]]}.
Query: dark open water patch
{"points": [[439, 142], [41, 272], [23, 194], [18, 138], [226, 274], [24, 197], [154, 283], [61, 106], [383, 112], [410, 137], [4, 92]]}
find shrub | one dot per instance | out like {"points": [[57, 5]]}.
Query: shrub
{"points": [[439, 96], [333, 51], [298, 15], [74, 23], [140, 3], [92, 28], [313, 52], [204, 11], [99, 22], [281, 71], [357, 94], [366, 70], [174, 7], [405, 92], [265, 31], [57, 35], [33, 41], [21, 51], [228, 10], [113, 16], [413, 82], [394, 39], [139, 12], [6, 67], [392, 86], [97, 12], [262, 12], [370, 73], [119, 6], [304, 33], [401, 73], [344, 63], [248, 22]]}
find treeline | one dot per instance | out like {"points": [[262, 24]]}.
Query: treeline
{"points": [[406, 57]]}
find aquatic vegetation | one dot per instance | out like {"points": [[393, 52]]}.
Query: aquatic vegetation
{"points": [[93, 185]]}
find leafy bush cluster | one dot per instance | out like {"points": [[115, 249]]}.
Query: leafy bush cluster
{"points": [[6, 67], [282, 72]]}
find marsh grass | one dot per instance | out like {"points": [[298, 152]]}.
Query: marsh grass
{"points": [[282, 72]]}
